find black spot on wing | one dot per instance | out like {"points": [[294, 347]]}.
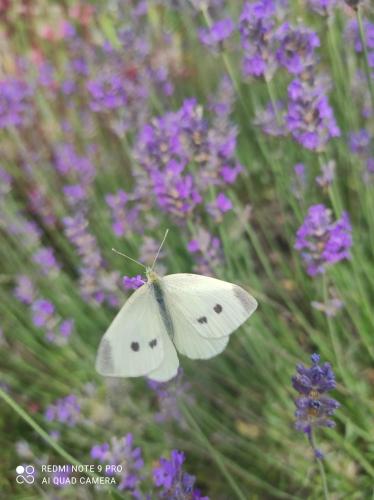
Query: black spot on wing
{"points": [[247, 301], [105, 363], [153, 343], [218, 308], [135, 346], [203, 319]]}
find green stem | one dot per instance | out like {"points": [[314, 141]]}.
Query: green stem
{"points": [[320, 466], [366, 60], [216, 456]]}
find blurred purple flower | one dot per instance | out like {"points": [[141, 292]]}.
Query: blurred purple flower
{"points": [[46, 260], [217, 33], [207, 252], [24, 290], [314, 408], [272, 121], [15, 102], [132, 283], [69, 163], [66, 327], [60, 478], [256, 24], [323, 7], [97, 285], [321, 241], [352, 33], [296, 51], [122, 452], [124, 218], [181, 155], [65, 410], [330, 307], [176, 484], [359, 142], [300, 181], [107, 92], [169, 394], [220, 206], [327, 174], [310, 118], [43, 310]]}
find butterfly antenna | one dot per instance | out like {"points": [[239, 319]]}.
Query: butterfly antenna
{"points": [[127, 257], [159, 250]]}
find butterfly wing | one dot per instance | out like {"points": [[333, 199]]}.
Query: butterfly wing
{"points": [[205, 311], [136, 342]]}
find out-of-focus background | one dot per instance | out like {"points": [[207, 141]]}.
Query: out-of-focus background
{"points": [[247, 129]]}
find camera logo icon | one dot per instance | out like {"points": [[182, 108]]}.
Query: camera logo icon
{"points": [[25, 474]]}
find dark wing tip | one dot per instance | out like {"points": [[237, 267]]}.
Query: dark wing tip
{"points": [[248, 302], [104, 359]]}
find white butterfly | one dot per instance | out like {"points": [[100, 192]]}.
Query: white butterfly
{"points": [[186, 312]]}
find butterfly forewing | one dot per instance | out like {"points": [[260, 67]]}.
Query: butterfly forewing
{"points": [[205, 306], [133, 345]]}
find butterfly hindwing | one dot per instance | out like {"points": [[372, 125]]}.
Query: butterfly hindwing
{"points": [[205, 308], [133, 345]]}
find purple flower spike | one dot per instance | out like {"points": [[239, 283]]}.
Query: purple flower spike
{"points": [[321, 241], [122, 452], [310, 118], [169, 394], [314, 408], [297, 46], [132, 283], [15, 103], [207, 252], [323, 7], [65, 410], [220, 31], [256, 26], [175, 483]]}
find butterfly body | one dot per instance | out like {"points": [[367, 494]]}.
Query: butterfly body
{"points": [[186, 312]]}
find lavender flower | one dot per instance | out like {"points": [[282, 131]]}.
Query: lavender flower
{"points": [[219, 207], [215, 35], [321, 241], [24, 290], [15, 103], [60, 478], [359, 142], [107, 92], [296, 51], [300, 181], [271, 119], [124, 217], [353, 34], [330, 307], [176, 484], [122, 452], [207, 252], [181, 156], [327, 174], [168, 395], [323, 7], [46, 259], [133, 283], [43, 312], [314, 408], [310, 118], [96, 283], [256, 24], [65, 410]]}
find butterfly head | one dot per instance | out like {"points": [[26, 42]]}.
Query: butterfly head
{"points": [[152, 276]]}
